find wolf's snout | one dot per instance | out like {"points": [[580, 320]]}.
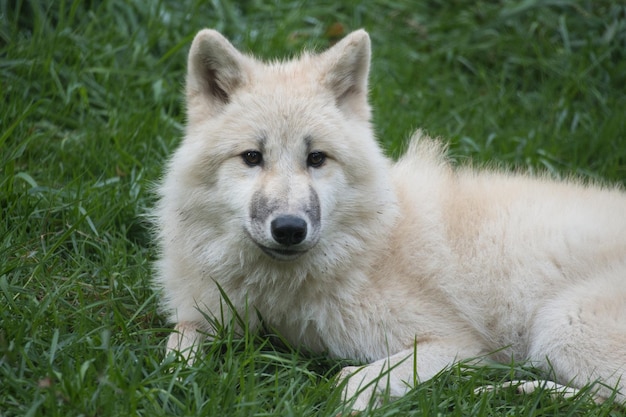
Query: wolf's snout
{"points": [[288, 230]]}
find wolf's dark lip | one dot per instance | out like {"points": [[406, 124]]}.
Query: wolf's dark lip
{"points": [[282, 254]]}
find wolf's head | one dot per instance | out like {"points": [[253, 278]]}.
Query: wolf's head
{"points": [[279, 161]]}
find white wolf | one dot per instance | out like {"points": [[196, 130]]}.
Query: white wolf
{"points": [[280, 198]]}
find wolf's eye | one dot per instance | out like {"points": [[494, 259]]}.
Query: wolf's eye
{"points": [[316, 159], [252, 158]]}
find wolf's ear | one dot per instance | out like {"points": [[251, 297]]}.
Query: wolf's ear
{"points": [[346, 68], [215, 67]]}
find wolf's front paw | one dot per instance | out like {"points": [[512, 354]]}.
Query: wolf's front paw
{"points": [[185, 340], [361, 385]]}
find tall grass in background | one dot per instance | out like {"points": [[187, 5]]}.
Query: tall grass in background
{"points": [[91, 107]]}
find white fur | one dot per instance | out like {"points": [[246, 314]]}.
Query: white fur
{"points": [[412, 258]]}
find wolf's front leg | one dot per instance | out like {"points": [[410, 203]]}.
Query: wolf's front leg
{"points": [[396, 375], [186, 340]]}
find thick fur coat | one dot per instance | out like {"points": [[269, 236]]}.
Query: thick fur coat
{"points": [[280, 198]]}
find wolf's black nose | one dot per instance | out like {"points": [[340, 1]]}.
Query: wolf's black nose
{"points": [[288, 230]]}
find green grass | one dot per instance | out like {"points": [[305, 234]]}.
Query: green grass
{"points": [[91, 107]]}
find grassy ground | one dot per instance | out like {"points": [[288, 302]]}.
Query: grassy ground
{"points": [[91, 107]]}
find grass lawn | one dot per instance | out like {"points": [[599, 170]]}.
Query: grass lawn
{"points": [[91, 107]]}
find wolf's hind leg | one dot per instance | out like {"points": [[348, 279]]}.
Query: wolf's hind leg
{"points": [[580, 335], [527, 387]]}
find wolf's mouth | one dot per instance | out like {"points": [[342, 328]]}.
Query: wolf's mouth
{"points": [[282, 254]]}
